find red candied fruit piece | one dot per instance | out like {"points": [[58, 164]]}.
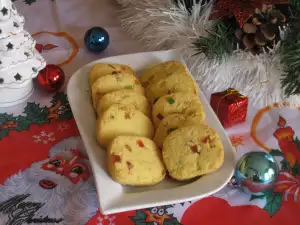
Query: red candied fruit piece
{"points": [[159, 116], [205, 140], [140, 143], [116, 158], [194, 148], [129, 165]]}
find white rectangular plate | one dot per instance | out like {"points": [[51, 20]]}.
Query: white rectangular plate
{"points": [[114, 197]]}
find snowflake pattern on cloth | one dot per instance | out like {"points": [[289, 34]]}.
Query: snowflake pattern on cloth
{"points": [[62, 127], [44, 137], [106, 220]]}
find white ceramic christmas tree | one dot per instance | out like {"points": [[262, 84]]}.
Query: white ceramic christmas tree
{"points": [[19, 60]]}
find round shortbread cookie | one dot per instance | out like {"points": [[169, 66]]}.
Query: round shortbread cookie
{"points": [[111, 83], [135, 161], [182, 103], [124, 97], [158, 71], [102, 69], [192, 151], [122, 120], [176, 82], [173, 122]]}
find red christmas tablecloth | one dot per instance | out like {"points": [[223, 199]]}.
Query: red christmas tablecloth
{"points": [[41, 152]]}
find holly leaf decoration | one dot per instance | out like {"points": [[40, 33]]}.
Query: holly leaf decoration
{"points": [[67, 115], [296, 169], [56, 97], [285, 165], [60, 96], [141, 214], [3, 133], [273, 204], [4, 117], [142, 223], [276, 152], [172, 221], [297, 141], [139, 218], [22, 123], [36, 114], [253, 197]]}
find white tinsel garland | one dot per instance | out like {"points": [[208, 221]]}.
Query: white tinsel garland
{"points": [[161, 24]]}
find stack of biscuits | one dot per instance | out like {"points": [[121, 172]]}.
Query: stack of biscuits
{"points": [[153, 123], [124, 125]]}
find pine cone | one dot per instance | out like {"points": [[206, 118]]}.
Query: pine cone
{"points": [[262, 29]]}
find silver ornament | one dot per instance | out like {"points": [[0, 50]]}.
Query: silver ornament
{"points": [[256, 172]]}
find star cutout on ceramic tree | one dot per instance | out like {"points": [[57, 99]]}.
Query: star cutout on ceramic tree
{"points": [[27, 54], [17, 77], [9, 46], [16, 25], [242, 10], [4, 11]]}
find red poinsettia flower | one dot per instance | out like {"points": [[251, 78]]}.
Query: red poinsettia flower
{"points": [[289, 186]]}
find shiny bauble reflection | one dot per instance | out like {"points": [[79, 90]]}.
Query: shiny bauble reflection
{"points": [[96, 39], [256, 172]]}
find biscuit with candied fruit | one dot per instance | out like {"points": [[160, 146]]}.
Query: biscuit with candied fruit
{"points": [[192, 151], [135, 161]]}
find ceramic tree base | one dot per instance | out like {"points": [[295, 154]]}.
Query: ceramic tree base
{"points": [[13, 96]]}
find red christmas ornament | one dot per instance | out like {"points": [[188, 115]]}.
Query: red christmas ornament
{"points": [[51, 78], [242, 10], [230, 106]]}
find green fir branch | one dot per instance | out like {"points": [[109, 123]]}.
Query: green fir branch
{"points": [[290, 52], [219, 44]]}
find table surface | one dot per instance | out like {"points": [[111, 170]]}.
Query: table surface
{"points": [[43, 129]]}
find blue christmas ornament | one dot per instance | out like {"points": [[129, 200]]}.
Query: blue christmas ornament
{"points": [[256, 172], [96, 39]]}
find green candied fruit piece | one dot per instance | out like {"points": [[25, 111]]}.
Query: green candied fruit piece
{"points": [[171, 100], [129, 87]]}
